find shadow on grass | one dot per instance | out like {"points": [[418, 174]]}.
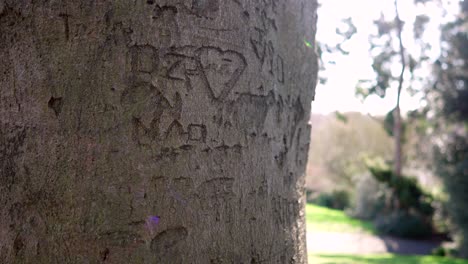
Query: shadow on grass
{"points": [[381, 259], [409, 247]]}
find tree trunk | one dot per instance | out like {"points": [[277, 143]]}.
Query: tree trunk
{"points": [[156, 131], [397, 126], [397, 129]]}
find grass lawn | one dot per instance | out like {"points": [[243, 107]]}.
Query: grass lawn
{"points": [[382, 259], [329, 220]]}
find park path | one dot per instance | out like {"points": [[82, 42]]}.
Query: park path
{"points": [[362, 243]]}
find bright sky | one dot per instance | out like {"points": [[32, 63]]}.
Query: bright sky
{"points": [[338, 94]]}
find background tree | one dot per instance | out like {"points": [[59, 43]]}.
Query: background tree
{"points": [[448, 112], [156, 131], [388, 50]]}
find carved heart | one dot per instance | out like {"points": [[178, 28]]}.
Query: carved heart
{"points": [[221, 69]]}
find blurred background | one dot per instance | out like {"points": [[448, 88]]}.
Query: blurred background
{"points": [[387, 176]]}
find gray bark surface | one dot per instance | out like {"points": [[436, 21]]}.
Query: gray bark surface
{"points": [[155, 131]]}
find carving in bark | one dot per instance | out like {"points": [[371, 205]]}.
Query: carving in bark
{"points": [[154, 131]]}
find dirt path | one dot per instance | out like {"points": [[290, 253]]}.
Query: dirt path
{"points": [[360, 243]]}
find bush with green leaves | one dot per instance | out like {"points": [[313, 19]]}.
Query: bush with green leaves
{"points": [[337, 199], [408, 194], [369, 198], [452, 166], [408, 209], [445, 251], [403, 224]]}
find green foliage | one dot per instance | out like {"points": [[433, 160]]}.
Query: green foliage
{"points": [[441, 219], [384, 54], [337, 199], [330, 220], [341, 117], [403, 224], [369, 198], [444, 252], [439, 251], [408, 193], [448, 99], [452, 165], [410, 213], [387, 52], [381, 259], [451, 83]]}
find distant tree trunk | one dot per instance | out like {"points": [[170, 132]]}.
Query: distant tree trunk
{"points": [[155, 131], [398, 148], [397, 126]]}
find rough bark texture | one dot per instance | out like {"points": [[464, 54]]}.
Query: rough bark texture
{"points": [[155, 131]]}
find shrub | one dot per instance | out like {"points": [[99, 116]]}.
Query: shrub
{"points": [[406, 190], [403, 224], [439, 251], [369, 198], [407, 210], [452, 166], [445, 252], [337, 199]]}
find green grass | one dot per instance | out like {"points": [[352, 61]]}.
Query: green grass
{"points": [[382, 259], [329, 220]]}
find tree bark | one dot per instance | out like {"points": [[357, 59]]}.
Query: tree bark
{"points": [[155, 131]]}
